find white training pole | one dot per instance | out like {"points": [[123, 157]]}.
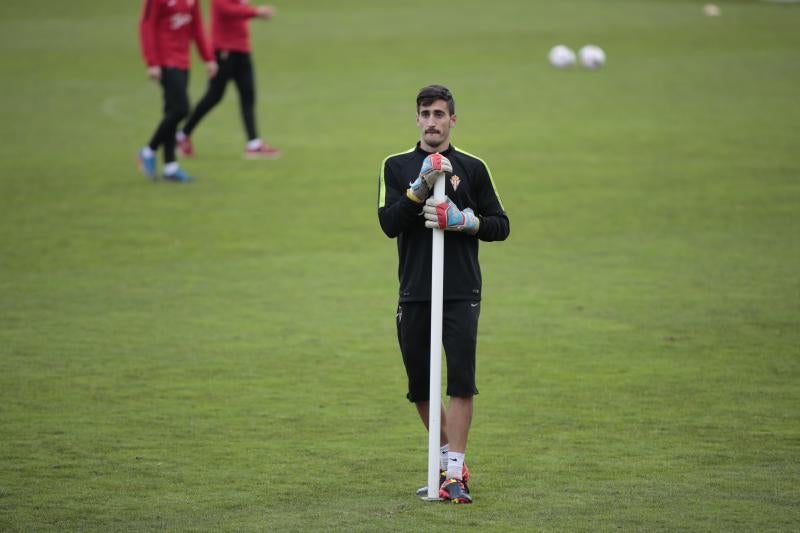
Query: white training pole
{"points": [[435, 396]]}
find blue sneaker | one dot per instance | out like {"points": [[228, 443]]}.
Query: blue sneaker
{"points": [[179, 175], [147, 164]]}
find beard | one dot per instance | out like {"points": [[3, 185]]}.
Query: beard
{"points": [[434, 139]]}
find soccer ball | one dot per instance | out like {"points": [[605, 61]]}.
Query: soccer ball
{"points": [[561, 56], [591, 56]]}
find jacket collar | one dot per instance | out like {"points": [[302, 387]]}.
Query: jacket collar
{"points": [[445, 153]]}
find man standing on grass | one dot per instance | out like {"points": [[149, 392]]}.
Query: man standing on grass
{"points": [[166, 29], [470, 212], [230, 35]]}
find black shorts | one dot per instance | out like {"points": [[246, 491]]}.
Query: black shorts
{"points": [[459, 337]]}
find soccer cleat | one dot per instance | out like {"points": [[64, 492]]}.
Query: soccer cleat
{"points": [[423, 491], [185, 146], [264, 151], [453, 489], [147, 164], [465, 476], [179, 175]]}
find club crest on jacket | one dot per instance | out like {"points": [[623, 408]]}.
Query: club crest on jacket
{"points": [[455, 181]]}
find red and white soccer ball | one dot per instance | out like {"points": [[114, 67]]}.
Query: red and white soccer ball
{"points": [[592, 56]]}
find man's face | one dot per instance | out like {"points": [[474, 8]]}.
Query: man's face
{"points": [[434, 122]]}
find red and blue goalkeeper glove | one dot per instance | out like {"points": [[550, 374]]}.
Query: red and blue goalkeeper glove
{"points": [[433, 167], [445, 215]]}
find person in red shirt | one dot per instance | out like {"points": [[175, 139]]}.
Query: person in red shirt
{"points": [[166, 30], [230, 35]]}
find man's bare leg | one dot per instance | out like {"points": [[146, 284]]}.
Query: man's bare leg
{"points": [[459, 419], [423, 410]]}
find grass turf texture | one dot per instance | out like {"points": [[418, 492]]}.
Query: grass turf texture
{"points": [[221, 356]]}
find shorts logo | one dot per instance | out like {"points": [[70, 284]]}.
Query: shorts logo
{"points": [[455, 181], [399, 315]]}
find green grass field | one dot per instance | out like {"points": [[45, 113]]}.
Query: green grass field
{"points": [[221, 356]]}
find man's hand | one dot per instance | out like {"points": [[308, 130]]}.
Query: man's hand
{"points": [[265, 12], [154, 73], [445, 215], [433, 167], [211, 68]]}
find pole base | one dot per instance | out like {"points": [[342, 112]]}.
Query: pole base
{"points": [[423, 495]]}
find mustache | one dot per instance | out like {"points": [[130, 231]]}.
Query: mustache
{"points": [[432, 130]]}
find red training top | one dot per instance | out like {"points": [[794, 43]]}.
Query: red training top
{"points": [[230, 25], [166, 29]]}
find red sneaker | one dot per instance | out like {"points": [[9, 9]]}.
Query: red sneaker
{"points": [[264, 151], [454, 490], [185, 146], [423, 491]]}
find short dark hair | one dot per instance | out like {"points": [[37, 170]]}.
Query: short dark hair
{"points": [[431, 93]]}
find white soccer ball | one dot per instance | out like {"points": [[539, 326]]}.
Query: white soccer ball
{"points": [[561, 56], [592, 56]]}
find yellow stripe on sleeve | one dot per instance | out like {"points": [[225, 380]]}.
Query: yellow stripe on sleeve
{"points": [[382, 179]]}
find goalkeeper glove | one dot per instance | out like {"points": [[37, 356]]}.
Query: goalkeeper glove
{"points": [[445, 215], [433, 167]]}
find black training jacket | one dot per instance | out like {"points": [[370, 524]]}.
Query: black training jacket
{"points": [[469, 185]]}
